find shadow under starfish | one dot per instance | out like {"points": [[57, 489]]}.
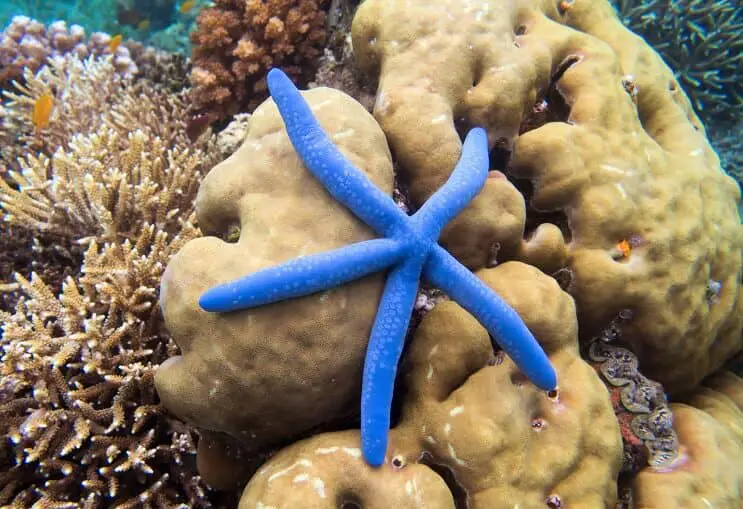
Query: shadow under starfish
{"points": [[409, 248]]}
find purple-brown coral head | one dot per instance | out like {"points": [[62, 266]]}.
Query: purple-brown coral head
{"points": [[236, 41]]}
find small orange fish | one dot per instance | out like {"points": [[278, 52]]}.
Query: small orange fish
{"points": [[186, 6], [625, 248], [42, 111], [564, 6], [143, 25], [114, 43]]}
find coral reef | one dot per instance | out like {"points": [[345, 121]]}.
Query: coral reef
{"points": [[408, 251], [104, 186], [231, 137], [28, 251], [158, 67], [81, 421], [617, 164], [87, 95], [337, 66], [702, 42], [471, 420], [95, 15], [26, 45], [236, 42], [709, 472], [616, 209], [600, 176], [270, 209], [725, 137], [78, 402]]}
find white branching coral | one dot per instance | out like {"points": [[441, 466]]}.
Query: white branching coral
{"points": [[82, 92], [103, 185], [81, 422], [87, 95], [77, 400]]}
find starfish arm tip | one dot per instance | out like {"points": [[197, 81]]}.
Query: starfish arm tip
{"points": [[465, 182], [275, 76], [548, 380], [374, 437], [374, 456], [212, 300]]}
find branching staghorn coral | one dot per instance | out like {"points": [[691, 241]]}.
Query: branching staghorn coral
{"points": [[81, 421], [702, 42], [78, 403], [87, 94], [103, 185]]}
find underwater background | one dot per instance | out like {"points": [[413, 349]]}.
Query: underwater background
{"points": [[113, 112]]}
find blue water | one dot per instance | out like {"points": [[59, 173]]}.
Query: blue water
{"points": [[153, 22]]}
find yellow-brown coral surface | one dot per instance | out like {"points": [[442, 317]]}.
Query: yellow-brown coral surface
{"points": [[709, 472], [266, 375], [504, 442], [625, 189]]}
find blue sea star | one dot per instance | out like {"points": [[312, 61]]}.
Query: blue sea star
{"points": [[409, 249]]}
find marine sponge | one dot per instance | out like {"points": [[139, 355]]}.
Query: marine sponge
{"points": [[471, 422], [237, 41]]}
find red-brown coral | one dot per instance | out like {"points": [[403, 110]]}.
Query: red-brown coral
{"points": [[236, 41]]}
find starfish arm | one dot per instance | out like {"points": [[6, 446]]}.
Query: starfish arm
{"points": [[462, 186], [346, 183], [303, 276], [382, 355], [500, 319]]}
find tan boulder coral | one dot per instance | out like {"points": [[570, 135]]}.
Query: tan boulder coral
{"points": [[627, 193], [709, 472], [328, 472], [268, 374], [473, 415]]}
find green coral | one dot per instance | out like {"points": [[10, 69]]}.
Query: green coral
{"points": [[702, 41], [725, 138]]}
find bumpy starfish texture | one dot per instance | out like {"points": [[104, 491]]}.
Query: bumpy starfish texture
{"points": [[409, 249]]}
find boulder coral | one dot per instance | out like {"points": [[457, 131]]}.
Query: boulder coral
{"points": [[293, 365], [601, 172], [625, 191], [709, 473], [472, 427]]}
